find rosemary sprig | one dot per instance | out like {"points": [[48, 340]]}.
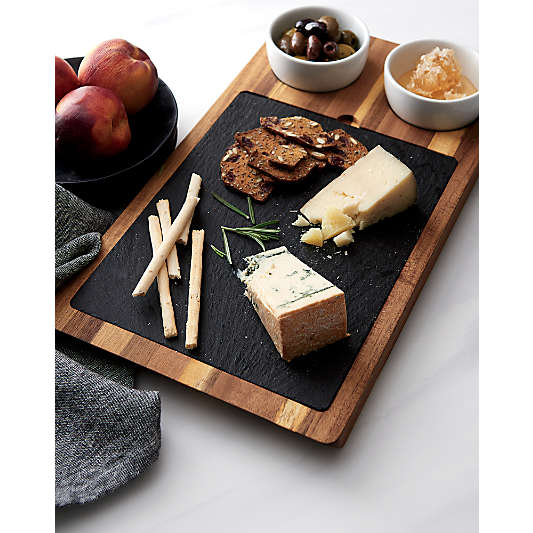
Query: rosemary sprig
{"points": [[218, 252], [226, 246], [267, 223], [258, 232], [251, 210], [230, 206]]}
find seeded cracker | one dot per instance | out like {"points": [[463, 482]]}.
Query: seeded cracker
{"points": [[287, 175], [273, 148], [236, 174], [299, 129], [347, 150]]}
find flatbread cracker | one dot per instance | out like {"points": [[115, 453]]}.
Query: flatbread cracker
{"points": [[274, 148], [347, 150], [287, 175], [238, 175], [299, 129]]}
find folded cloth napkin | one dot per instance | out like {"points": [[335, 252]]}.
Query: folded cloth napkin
{"points": [[106, 432]]}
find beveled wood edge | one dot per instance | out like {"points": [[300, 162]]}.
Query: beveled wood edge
{"points": [[328, 427]]}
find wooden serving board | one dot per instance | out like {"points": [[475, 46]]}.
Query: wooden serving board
{"points": [[362, 104]]}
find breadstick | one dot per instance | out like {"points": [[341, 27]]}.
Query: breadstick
{"points": [[195, 287], [167, 311], [194, 190], [169, 240], [173, 265]]}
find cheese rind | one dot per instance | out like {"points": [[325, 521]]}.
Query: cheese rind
{"points": [[377, 186], [301, 310]]}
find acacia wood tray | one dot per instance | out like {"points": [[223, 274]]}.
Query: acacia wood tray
{"points": [[361, 104]]}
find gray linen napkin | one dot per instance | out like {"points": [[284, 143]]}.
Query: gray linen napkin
{"points": [[106, 432]]}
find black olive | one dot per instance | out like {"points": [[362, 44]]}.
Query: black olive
{"points": [[301, 23], [285, 44], [314, 47], [330, 49], [317, 28], [298, 44]]}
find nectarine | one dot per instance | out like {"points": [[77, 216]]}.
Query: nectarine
{"points": [[123, 68], [91, 122], [66, 79]]}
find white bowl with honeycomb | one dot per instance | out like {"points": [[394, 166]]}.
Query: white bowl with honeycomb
{"points": [[442, 86]]}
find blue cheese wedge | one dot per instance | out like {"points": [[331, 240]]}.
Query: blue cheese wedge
{"points": [[377, 186], [301, 310]]}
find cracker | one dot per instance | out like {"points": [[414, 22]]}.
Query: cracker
{"points": [[287, 175], [236, 174], [347, 150], [299, 129], [272, 147]]}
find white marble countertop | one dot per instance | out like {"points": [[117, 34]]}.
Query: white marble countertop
{"points": [[410, 464]]}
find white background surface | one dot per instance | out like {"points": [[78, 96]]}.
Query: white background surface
{"points": [[410, 464]]}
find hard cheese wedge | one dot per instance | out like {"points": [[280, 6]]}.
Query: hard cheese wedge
{"points": [[301, 310], [377, 186]]}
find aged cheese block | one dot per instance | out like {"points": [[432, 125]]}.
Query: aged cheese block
{"points": [[377, 186], [301, 310]]}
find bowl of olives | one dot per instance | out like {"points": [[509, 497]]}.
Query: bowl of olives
{"points": [[317, 49]]}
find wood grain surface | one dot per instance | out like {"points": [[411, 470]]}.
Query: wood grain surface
{"points": [[361, 104]]}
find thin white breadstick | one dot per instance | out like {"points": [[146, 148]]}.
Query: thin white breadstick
{"points": [[173, 265], [169, 241], [195, 288], [167, 311], [194, 190]]}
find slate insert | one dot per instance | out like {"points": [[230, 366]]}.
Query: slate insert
{"points": [[232, 337]]}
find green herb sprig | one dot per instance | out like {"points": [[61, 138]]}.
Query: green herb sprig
{"points": [[260, 233], [220, 253], [230, 206], [251, 210], [226, 246]]}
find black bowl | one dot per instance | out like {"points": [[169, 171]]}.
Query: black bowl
{"points": [[113, 181]]}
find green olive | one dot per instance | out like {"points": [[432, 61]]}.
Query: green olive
{"points": [[344, 50], [348, 37], [304, 58], [290, 32], [332, 26]]}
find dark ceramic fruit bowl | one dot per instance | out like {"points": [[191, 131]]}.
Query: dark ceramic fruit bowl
{"points": [[114, 180]]}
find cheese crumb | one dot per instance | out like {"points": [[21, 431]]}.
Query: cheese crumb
{"points": [[301, 222], [313, 236], [335, 222], [344, 239]]}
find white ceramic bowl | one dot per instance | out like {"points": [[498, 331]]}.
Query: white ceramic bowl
{"points": [[427, 112], [316, 76]]}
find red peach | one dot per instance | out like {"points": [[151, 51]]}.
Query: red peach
{"points": [[66, 79], [123, 68], [91, 122]]}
